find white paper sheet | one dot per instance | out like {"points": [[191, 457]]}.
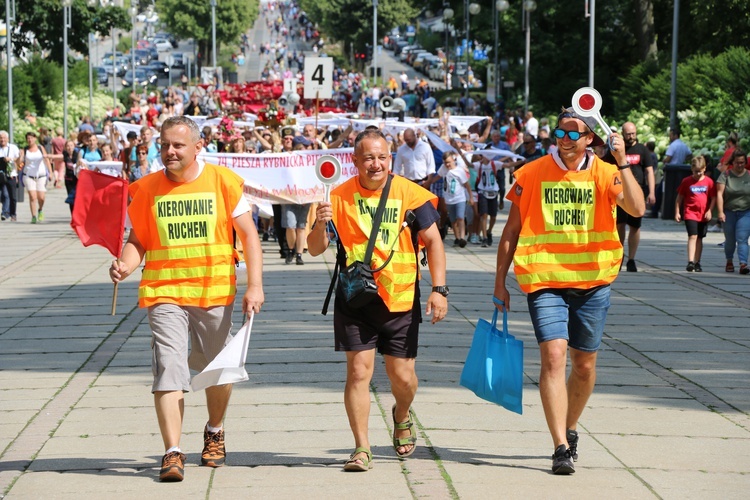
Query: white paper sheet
{"points": [[229, 366]]}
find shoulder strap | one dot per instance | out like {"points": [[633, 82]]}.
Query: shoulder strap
{"points": [[376, 221], [340, 262], [341, 251]]}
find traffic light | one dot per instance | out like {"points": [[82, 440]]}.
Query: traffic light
{"points": [[368, 52]]}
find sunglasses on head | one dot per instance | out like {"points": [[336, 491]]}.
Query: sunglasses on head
{"points": [[574, 135]]}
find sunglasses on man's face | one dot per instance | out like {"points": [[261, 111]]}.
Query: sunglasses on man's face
{"points": [[574, 135]]}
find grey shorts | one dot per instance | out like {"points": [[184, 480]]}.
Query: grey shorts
{"points": [[185, 338], [294, 216]]}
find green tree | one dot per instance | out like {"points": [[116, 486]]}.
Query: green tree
{"points": [[350, 21], [39, 26], [193, 20]]}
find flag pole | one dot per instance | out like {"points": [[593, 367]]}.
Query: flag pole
{"points": [[317, 104], [114, 294]]}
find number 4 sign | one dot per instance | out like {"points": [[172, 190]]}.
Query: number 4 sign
{"points": [[318, 77]]}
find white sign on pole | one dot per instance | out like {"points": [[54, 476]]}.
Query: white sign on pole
{"points": [[290, 85], [318, 77], [490, 83]]}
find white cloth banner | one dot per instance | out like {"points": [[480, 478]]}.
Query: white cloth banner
{"points": [[228, 367], [284, 178], [465, 121], [112, 168], [123, 128], [493, 153]]}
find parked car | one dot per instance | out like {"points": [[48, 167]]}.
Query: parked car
{"points": [[406, 50], [142, 78], [108, 55], [101, 75], [168, 36], [120, 66], [436, 70], [142, 57], [399, 46], [413, 55], [162, 44], [420, 59], [158, 68]]}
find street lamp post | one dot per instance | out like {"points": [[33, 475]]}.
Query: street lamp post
{"points": [[500, 6], [102, 3], [133, 12], [91, 81], [213, 34], [592, 26], [528, 7], [472, 9], [66, 24], [374, 41], [9, 5], [447, 15]]}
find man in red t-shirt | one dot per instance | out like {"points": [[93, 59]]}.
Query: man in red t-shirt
{"points": [[151, 115], [699, 194]]}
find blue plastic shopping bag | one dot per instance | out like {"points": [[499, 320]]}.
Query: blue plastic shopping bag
{"points": [[494, 365]]}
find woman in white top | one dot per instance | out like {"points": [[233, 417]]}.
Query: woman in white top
{"points": [[36, 171]]}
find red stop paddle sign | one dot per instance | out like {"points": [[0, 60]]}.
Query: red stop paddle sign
{"points": [[587, 102], [328, 171]]}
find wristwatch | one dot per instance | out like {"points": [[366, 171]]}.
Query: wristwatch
{"points": [[442, 290]]}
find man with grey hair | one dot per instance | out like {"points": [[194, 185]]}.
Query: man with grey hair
{"points": [[9, 181], [183, 221]]}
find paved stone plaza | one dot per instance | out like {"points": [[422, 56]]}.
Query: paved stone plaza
{"points": [[668, 419]]}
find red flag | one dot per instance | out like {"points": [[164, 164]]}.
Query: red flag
{"points": [[99, 210]]}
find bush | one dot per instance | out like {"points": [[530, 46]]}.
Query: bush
{"points": [[713, 100]]}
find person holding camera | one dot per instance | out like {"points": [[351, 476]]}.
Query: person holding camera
{"points": [[391, 233]]}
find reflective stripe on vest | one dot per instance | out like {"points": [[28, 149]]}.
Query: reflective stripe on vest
{"points": [[189, 252], [567, 279], [204, 295], [188, 273]]}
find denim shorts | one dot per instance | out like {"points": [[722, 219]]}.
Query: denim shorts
{"points": [[295, 216], [457, 211], [577, 316]]}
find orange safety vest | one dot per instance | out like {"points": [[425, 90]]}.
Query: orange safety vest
{"points": [[568, 236], [353, 210], [186, 230]]}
